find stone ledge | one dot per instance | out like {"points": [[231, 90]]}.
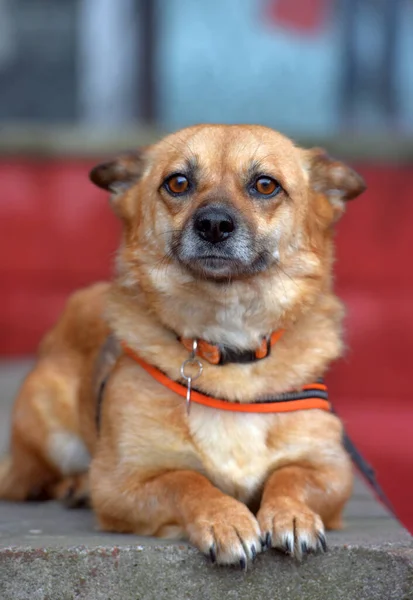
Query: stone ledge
{"points": [[152, 571], [48, 553]]}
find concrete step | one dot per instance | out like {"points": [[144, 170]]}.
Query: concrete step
{"points": [[50, 553]]}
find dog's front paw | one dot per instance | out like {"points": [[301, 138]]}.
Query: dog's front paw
{"points": [[73, 491], [226, 531], [292, 527]]}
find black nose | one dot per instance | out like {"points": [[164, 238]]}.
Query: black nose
{"points": [[214, 224]]}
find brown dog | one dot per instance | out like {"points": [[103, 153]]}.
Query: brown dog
{"points": [[227, 250]]}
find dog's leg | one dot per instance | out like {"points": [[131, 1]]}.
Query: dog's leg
{"points": [[298, 501], [184, 502], [24, 476], [30, 478]]}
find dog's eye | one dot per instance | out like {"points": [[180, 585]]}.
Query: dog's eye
{"points": [[176, 184], [266, 186]]}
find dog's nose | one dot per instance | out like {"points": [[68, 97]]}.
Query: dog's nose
{"points": [[214, 224]]}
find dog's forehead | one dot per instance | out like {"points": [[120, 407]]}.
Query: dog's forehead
{"points": [[223, 148]]}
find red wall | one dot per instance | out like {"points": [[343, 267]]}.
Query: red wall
{"points": [[58, 233]]}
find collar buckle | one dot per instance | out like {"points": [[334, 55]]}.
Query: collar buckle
{"points": [[217, 354]]}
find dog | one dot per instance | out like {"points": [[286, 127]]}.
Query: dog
{"points": [[180, 397]]}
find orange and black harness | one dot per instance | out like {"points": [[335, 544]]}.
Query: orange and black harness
{"points": [[308, 397], [311, 396]]}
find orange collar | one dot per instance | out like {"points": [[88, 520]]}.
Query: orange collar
{"points": [[308, 397], [216, 354]]}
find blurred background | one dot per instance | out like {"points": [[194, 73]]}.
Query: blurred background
{"points": [[83, 79]]}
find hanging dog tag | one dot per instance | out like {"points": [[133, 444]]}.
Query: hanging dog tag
{"points": [[188, 394], [192, 361]]}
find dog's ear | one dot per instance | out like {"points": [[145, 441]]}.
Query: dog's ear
{"points": [[332, 178], [119, 174]]}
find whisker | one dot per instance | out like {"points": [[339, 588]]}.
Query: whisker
{"points": [[170, 231], [163, 263], [179, 150], [256, 150], [278, 266]]}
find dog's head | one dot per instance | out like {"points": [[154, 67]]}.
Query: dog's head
{"points": [[224, 203]]}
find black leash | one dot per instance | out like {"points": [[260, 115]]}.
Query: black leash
{"points": [[366, 471]]}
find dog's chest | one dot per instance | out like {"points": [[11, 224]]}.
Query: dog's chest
{"points": [[232, 447]]}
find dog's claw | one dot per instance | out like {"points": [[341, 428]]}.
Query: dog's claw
{"points": [[253, 552], [243, 564], [212, 555], [304, 547], [268, 540], [322, 541], [288, 546]]}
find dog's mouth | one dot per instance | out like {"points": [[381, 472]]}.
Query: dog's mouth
{"points": [[216, 266], [216, 262], [223, 268]]}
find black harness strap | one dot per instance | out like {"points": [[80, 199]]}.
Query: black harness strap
{"points": [[99, 400], [292, 396], [105, 362]]}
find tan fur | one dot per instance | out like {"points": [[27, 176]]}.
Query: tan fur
{"points": [[156, 470], [46, 443]]}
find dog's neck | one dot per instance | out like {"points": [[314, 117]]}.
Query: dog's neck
{"points": [[236, 314], [151, 324]]}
